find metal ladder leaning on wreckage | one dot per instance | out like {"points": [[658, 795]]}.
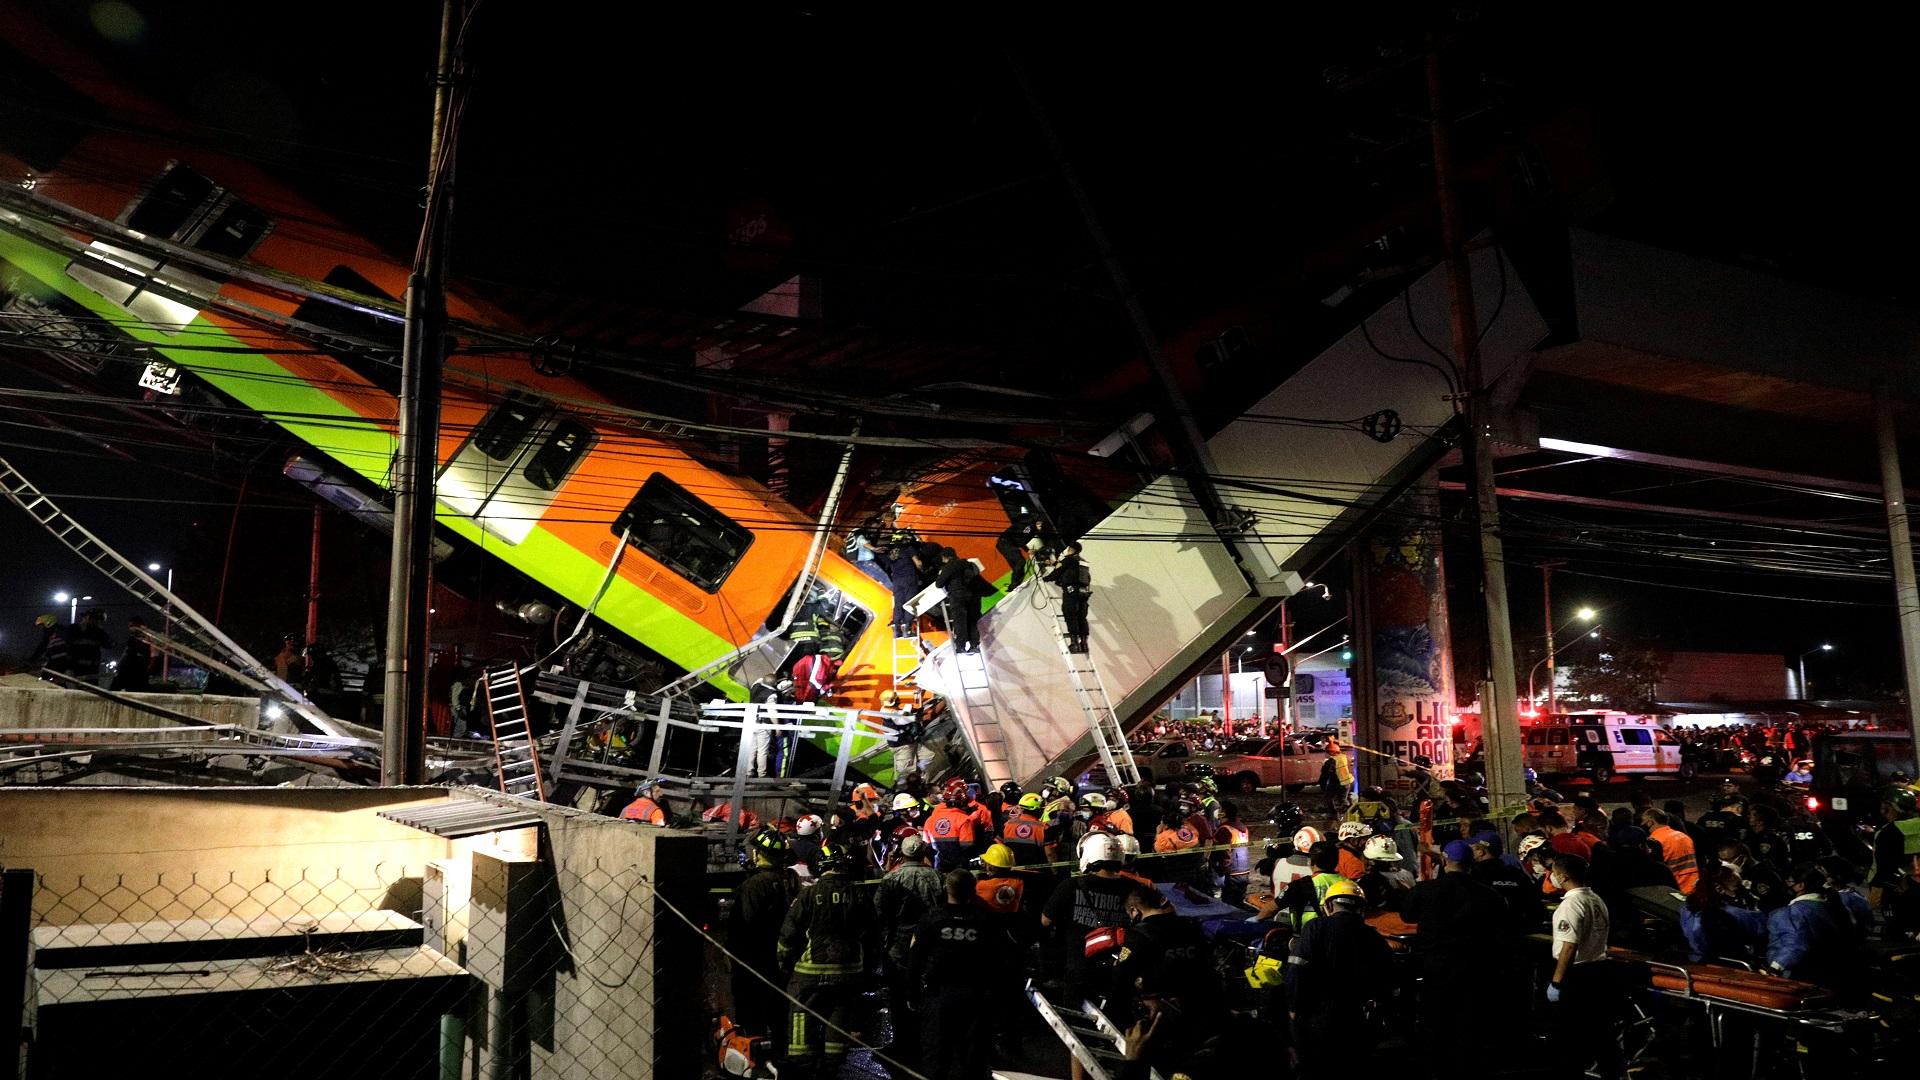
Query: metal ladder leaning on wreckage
{"points": [[204, 641], [516, 758], [1093, 1040], [1109, 739]]}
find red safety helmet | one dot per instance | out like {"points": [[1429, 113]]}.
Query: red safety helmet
{"points": [[955, 793]]}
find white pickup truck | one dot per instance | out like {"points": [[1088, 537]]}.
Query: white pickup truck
{"points": [[1291, 761]]}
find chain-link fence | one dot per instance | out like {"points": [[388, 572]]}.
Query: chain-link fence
{"points": [[486, 965]]}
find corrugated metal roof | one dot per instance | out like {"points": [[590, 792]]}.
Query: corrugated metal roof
{"points": [[463, 817]]}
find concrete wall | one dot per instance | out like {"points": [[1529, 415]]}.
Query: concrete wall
{"points": [[38, 705], [124, 854], [619, 990]]}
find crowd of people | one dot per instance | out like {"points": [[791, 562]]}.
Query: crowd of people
{"points": [[1219, 954]]}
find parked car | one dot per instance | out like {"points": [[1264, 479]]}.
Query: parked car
{"points": [[1158, 761], [1292, 761]]}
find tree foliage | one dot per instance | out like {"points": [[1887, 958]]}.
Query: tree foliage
{"points": [[1621, 674]]}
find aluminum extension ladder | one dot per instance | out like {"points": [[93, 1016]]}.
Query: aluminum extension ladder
{"points": [[907, 658], [198, 630], [1108, 739], [1093, 1040], [980, 718], [516, 759]]}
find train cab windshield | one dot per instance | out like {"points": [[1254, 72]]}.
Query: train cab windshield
{"points": [[830, 620]]}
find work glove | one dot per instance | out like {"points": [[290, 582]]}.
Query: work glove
{"points": [[1553, 992]]}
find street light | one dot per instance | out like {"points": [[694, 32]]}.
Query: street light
{"points": [[166, 658], [73, 605], [1552, 701], [1804, 696]]}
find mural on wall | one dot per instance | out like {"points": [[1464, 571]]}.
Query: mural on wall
{"points": [[1413, 668]]}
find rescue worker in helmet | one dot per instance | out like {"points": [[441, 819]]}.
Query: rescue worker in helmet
{"points": [[903, 736], [51, 654], [1352, 837], [1086, 904], [1334, 969], [809, 832], [648, 806], [1121, 815], [826, 941], [1023, 834], [754, 919], [1425, 784], [1006, 890], [957, 828]]}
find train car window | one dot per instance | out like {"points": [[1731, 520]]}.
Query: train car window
{"points": [[669, 523], [824, 602], [378, 364], [566, 444], [504, 432], [172, 204]]}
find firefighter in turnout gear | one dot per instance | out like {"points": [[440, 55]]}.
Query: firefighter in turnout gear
{"points": [[759, 909], [826, 941]]}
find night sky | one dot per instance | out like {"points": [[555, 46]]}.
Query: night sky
{"points": [[604, 151]]}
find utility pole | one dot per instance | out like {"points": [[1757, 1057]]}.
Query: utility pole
{"points": [[1499, 717], [313, 587], [1546, 591], [1906, 592], [1226, 691], [417, 458]]}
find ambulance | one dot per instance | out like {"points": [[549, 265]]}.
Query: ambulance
{"points": [[1602, 745]]}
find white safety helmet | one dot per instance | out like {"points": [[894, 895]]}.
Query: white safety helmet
{"points": [[1531, 844], [808, 825], [904, 801], [1383, 849], [1353, 830], [1128, 847], [1098, 848], [1093, 800], [1306, 838]]}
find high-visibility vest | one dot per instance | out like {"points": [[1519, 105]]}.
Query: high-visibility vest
{"points": [[1678, 850], [645, 811], [1321, 882], [1177, 839], [1910, 839], [1026, 836], [1000, 895]]}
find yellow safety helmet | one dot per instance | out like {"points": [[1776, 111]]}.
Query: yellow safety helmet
{"points": [[1342, 889], [45, 620], [1030, 801], [998, 856]]}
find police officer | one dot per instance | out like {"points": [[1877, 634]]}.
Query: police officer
{"points": [[1166, 949], [825, 942], [759, 909], [962, 960]]}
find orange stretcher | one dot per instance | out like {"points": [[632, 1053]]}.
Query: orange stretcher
{"points": [[1391, 926], [1729, 984]]}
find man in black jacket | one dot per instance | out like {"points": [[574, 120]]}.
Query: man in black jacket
{"points": [[1335, 966], [1169, 950], [1465, 933], [1076, 592], [960, 964], [962, 605]]}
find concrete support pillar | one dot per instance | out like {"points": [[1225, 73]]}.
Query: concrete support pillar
{"points": [[1403, 655]]}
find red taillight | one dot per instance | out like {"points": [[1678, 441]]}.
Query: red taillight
{"points": [[1813, 803]]}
